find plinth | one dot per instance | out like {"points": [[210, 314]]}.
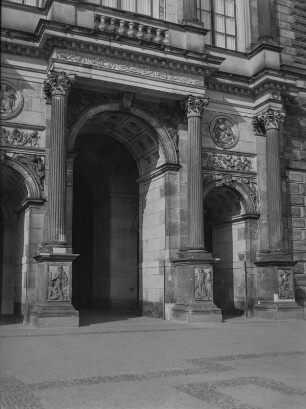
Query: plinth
{"points": [[195, 288], [54, 289]]}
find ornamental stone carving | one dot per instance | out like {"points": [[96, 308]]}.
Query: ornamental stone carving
{"points": [[58, 84], [269, 119], [227, 162], [194, 106], [35, 163], [11, 100], [224, 132], [203, 284], [19, 138], [58, 283], [285, 285]]}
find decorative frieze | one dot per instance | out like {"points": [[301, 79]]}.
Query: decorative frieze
{"points": [[268, 119], [228, 162], [19, 138], [11, 100], [58, 283], [203, 283], [224, 132], [130, 68]]}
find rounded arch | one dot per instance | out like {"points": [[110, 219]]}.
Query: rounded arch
{"points": [[21, 176], [248, 200], [166, 143]]}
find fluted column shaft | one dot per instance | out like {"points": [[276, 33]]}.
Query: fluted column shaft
{"points": [[268, 122], [57, 87], [190, 10], [194, 109]]}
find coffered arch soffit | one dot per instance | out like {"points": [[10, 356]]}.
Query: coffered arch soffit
{"points": [[142, 134]]}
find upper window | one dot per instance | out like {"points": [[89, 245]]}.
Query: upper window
{"points": [[147, 7], [219, 16]]}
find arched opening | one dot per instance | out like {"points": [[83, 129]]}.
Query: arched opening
{"points": [[227, 236]]}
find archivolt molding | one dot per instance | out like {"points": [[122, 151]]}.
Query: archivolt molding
{"points": [[246, 187], [166, 143], [33, 188]]}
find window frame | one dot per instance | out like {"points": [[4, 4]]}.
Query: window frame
{"points": [[137, 2]]}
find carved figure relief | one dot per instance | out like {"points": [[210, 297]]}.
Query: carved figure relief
{"points": [[285, 287], [35, 163], [203, 284], [224, 132], [58, 284], [19, 138], [228, 162], [11, 100]]}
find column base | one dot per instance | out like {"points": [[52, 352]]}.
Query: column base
{"points": [[279, 310], [194, 270], [197, 312], [55, 316]]}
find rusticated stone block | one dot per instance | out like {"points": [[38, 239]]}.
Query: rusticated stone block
{"points": [[296, 177], [298, 223], [297, 199], [294, 188], [296, 234], [296, 211], [299, 246]]}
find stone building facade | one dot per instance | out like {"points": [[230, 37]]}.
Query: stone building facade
{"points": [[153, 158]]}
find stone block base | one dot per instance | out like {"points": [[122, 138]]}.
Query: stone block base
{"points": [[279, 310], [45, 316], [197, 312]]}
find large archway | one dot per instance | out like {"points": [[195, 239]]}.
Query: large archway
{"points": [[230, 219], [122, 161]]}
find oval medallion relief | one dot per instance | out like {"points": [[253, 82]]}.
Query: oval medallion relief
{"points": [[11, 100], [224, 132]]}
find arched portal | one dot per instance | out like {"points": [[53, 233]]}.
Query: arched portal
{"points": [[119, 205], [20, 203], [230, 223]]}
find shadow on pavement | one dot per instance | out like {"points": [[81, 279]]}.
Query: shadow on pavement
{"points": [[90, 317]]}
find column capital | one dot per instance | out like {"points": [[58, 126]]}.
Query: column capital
{"points": [[194, 106], [58, 84], [268, 119]]}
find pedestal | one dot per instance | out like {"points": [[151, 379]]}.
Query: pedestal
{"points": [[195, 288], [54, 289], [276, 296]]}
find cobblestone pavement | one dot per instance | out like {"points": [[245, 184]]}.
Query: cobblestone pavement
{"points": [[147, 363]]}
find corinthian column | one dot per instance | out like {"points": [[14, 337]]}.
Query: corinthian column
{"points": [[57, 87], [194, 107], [268, 122]]}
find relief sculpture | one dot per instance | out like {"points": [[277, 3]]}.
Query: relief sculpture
{"points": [[58, 286], [224, 132], [285, 290], [203, 284], [11, 100], [19, 138]]}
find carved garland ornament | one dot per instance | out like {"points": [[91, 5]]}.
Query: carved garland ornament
{"points": [[228, 162], [203, 284], [11, 100], [58, 284], [224, 132], [269, 119], [19, 138]]}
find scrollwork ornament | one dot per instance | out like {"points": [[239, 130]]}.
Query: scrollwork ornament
{"points": [[194, 106], [269, 119], [58, 84]]}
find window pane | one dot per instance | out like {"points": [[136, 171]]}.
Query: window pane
{"points": [[206, 19], [205, 5], [128, 5], [231, 43], [198, 4], [230, 26], [144, 7], [219, 6], [109, 3], [155, 8], [208, 38], [219, 24], [220, 40], [230, 8]]}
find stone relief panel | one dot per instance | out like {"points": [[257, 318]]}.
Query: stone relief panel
{"points": [[36, 163], [11, 100], [203, 283], [58, 283], [17, 137], [213, 160], [285, 285], [224, 132]]}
